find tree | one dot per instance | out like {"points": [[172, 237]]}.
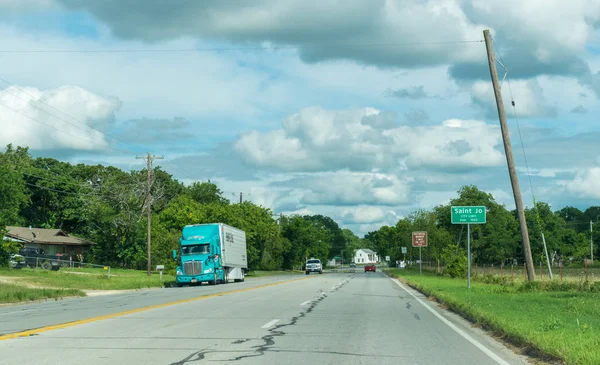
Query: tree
{"points": [[206, 192], [13, 193]]}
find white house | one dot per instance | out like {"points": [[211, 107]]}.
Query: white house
{"points": [[365, 256]]}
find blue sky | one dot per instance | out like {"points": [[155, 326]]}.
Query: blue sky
{"points": [[347, 119]]}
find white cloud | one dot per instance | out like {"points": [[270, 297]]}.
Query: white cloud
{"points": [[316, 139], [586, 184], [31, 122], [528, 95], [348, 188], [366, 214]]}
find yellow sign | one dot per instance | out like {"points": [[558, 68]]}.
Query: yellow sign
{"points": [[105, 267]]}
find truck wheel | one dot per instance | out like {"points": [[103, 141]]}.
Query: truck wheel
{"points": [[46, 265]]}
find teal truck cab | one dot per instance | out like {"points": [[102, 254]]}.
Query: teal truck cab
{"points": [[213, 253]]}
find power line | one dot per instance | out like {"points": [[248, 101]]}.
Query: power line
{"points": [[60, 130], [61, 191], [50, 106], [57, 181], [259, 48]]}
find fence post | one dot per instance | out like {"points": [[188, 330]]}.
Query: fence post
{"points": [[109, 272]]}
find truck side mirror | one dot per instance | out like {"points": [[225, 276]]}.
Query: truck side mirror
{"points": [[174, 254]]}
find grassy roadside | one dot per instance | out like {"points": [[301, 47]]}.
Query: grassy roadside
{"points": [[562, 324], [90, 279], [10, 293]]}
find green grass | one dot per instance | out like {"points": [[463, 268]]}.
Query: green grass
{"points": [[564, 325], [10, 293], [90, 279]]}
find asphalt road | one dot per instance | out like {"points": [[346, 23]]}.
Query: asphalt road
{"points": [[361, 318]]}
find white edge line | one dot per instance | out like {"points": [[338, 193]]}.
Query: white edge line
{"points": [[269, 324], [466, 336], [305, 303]]}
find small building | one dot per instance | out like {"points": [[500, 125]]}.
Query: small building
{"points": [[337, 260], [365, 256], [52, 241]]}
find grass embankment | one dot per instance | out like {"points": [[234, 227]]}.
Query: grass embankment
{"points": [[10, 293], [563, 324], [86, 279]]}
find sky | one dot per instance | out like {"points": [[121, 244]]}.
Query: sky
{"points": [[362, 110]]}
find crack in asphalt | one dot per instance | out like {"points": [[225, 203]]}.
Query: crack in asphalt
{"points": [[268, 339]]}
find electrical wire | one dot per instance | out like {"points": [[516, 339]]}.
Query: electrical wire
{"points": [[82, 185], [61, 191], [50, 106], [60, 130], [259, 48]]}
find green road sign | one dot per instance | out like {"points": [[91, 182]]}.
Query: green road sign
{"points": [[468, 215]]}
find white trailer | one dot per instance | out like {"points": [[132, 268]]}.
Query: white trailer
{"points": [[233, 252]]}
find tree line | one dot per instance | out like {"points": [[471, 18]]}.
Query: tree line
{"points": [[567, 233], [106, 205]]}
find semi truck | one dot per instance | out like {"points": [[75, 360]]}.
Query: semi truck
{"points": [[213, 253]]}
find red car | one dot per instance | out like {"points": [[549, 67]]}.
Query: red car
{"points": [[370, 268]]}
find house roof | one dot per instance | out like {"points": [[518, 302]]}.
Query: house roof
{"points": [[45, 236], [366, 250]]}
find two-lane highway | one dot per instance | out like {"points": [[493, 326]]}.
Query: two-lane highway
{"points": [[361, 318]]}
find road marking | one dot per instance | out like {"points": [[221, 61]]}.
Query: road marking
{"points": [[132, 311], [269, 324], [465, 335], [305, 303]]}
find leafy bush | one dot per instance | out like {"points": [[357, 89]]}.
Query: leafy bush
{"points": [[7, 248], [456, 262]]}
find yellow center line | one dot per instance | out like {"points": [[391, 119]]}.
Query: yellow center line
{"points": [[137, 310]]}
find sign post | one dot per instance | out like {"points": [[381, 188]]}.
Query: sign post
{"points": [[419, 239], [468, 215]]}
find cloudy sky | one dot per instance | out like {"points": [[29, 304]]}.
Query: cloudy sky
{"points": [[363, 110]]}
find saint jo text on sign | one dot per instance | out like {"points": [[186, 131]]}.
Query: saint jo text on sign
{"points": [[468, 215]]}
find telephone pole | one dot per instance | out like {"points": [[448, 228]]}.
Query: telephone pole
{"points": [[592, 241], [149, 160], [509, 156]]}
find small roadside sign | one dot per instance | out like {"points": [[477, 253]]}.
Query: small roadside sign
{"points": [[468, 214], [404, 250], [419, 239], [387, 258]]}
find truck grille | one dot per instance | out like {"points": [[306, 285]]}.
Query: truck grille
{"points": [[192, 268]]}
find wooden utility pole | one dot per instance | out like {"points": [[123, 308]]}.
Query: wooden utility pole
{"points": [[509, 156], [149, 159]]}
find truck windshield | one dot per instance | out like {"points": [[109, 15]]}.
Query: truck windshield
{"points": [[202, 249]]}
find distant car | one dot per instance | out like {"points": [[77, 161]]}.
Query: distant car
{"points": [[352, 264], [313, 265], [370, 268]]}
